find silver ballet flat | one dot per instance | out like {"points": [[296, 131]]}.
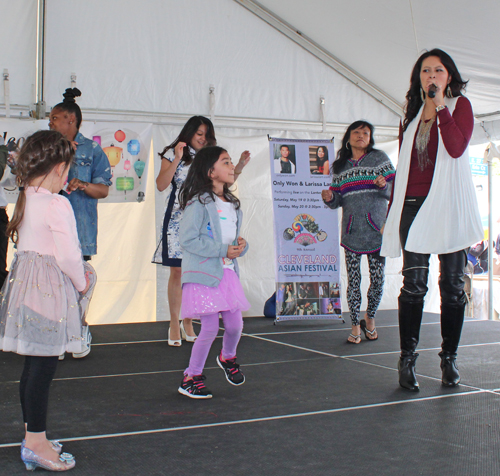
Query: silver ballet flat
{"points": [[56, 445], [33, 461]]}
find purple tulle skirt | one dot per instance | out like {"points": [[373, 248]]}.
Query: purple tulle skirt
{"points": [[199, 300]]}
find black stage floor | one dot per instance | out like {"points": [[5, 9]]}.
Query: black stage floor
{"points": [[311, 405]]}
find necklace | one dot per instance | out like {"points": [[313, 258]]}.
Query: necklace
{"points": [[422, 141]]}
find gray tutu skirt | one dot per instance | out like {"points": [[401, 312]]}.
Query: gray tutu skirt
{"points": [[41, 311]]}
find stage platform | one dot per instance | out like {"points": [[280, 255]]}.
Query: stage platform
{"points": [[311, 405]]}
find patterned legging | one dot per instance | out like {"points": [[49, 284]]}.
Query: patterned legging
{"points": [[376, 264]]}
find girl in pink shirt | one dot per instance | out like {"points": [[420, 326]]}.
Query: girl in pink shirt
{"points": [[48, 288]]}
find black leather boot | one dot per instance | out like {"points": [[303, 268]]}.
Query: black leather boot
{"points": [[452, 320], [410, 319], [451, 377], [406, 369]]}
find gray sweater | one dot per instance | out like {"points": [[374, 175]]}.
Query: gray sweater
{"points": [[200, 236], [364, 205]]}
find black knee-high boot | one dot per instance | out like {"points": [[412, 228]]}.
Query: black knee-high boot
{"points": [[452, 320], [410, 319]]}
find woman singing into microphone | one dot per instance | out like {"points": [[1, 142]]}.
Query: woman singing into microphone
{"points": [[434, 208]]}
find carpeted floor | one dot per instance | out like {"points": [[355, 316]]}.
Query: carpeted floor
{"points": [[311, 405]]}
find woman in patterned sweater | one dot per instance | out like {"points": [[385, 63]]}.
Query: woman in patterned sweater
{"points": [[360, 185]]}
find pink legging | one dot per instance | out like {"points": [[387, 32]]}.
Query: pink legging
{"points": [[233, 326]]}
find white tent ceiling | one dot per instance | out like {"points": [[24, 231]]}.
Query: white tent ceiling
{"points": [[381, 41], [161, 56]]}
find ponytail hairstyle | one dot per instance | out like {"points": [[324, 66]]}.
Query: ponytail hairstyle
{"points": [[186, 135], [40, 153], [70, 106], [413, 96], [198, 180], [345, 152]]}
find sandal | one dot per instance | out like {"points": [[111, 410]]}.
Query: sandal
{"points": [[366, 332], [185, 336], [355, 337], [173, 342]]}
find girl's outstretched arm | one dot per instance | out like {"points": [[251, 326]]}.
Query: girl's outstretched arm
{"points": [[168, 168], [244, 159]]}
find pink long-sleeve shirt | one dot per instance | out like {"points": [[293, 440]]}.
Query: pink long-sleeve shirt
{"points": [[49, 228]]}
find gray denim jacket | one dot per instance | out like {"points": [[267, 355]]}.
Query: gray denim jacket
{"points": [[200, 238]]}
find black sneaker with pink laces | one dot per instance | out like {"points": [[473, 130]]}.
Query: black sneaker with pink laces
{"points": [[194, 387], [232, 370]]}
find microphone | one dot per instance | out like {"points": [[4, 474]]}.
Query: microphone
{"points": [[432, 91]]}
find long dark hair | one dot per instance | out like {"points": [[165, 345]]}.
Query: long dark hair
{"points": [[413, 97], [345, 152], [70, 106], [198, 180], [320, 162], [188, 132], [40, 153]]}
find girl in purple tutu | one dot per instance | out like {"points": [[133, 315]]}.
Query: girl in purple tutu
{"points": [[209, 236]]}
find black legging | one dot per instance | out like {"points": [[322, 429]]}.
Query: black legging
{"points": [[4, 242], [37, 375]]}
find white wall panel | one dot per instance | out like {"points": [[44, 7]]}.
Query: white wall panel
{"points": [[18, 20], [162, 55]]}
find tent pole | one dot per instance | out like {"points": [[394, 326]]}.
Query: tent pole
{"points": [[316, 50], [39, 112], [6, 92], [490, 238]]}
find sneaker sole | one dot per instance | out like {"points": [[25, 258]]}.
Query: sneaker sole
{"points": [[81, 355], [227, 378], [190, 395]]}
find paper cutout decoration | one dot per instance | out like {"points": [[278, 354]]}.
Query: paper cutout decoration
{"points": [[124, 184], [139, 167], [120, 136], [114, 154], [133, 147]]}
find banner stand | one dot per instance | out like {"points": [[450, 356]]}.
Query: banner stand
{"points": [[306, 231]]}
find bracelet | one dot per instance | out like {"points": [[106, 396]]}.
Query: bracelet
{"points": [[441, 107], [237, 173]]}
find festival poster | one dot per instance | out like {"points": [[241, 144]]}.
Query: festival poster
{"points": [[306, 231], [127, 147]]}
